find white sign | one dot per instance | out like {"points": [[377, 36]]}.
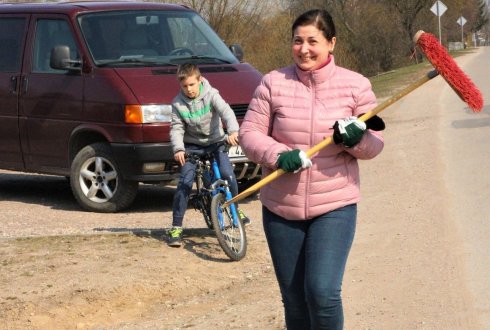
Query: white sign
{"points": [[461, 21], [438, 8]]}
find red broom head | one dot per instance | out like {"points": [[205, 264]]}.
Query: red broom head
{"points": [[449, 70]]}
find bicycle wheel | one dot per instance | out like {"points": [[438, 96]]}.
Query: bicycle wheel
{"points": [[231, 238]]}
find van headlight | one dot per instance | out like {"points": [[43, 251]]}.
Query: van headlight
{"points": [[150, 113]]}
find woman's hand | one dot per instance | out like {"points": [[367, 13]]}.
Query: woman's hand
{"points": [[293, 161], [348, 131]]}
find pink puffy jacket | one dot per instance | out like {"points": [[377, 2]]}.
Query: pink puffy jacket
{"points": [[295, 109]]}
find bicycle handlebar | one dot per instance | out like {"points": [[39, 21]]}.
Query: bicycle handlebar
{"points": [[204, 153]]}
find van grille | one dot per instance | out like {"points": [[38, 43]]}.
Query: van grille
{"points": [[240, 110]]}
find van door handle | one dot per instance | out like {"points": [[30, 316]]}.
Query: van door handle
{"points": [[13, 84], [25, 82]]}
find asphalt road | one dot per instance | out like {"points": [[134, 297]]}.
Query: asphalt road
{"points": [[461, 143], [466, 138]]}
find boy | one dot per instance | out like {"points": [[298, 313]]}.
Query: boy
{"points": [[197, 112]]}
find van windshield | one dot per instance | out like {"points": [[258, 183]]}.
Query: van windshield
{"points": [[155, 37]]}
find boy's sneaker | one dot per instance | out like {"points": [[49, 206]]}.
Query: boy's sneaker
{"points": [[245, 220], [175, 236]]}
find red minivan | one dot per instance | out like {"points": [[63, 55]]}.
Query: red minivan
{"points": [[86, 91]]}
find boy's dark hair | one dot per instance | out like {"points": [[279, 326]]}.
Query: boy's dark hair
{"points": [[186, 70], [320, 18]]}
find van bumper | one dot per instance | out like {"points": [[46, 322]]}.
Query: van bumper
{"points": [[135, 162], [145, 162]]}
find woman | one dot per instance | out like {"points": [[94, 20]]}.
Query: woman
{"points": [[310, 214]]}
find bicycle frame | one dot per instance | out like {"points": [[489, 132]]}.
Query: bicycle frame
{"points": [[217, 183], [218, 186], [212, 193]]}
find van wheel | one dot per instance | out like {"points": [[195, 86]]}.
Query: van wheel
{"points": [[96, 182]]}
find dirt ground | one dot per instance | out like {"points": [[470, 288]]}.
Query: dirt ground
{"points": [[61, 268], [116, 272]]}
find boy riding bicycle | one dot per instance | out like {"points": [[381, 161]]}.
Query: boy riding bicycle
{"points": [[197, 112]]}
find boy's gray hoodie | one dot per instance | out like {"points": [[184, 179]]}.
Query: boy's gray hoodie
{"points": [[198, 121]]}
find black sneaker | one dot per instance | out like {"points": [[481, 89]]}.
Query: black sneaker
{"points": [[175, 237], [245, 220]]}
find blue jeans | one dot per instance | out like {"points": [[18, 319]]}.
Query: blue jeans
{"points": [[309, 259], [186, 179]]}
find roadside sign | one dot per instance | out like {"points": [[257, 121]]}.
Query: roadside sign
{"points": [[461, 21], [438, 8]]}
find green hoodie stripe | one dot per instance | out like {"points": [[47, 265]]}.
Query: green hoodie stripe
{"points": [[200, 113]]}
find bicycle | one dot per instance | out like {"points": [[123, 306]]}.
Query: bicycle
{"points": [[211, 193]]}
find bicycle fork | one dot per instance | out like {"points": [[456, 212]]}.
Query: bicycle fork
{"points": [[224, 187]]}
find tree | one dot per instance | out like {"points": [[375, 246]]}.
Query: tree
{"points": [[482, 18], [372, 35], [408, 12], [368, 34], [271, 42], [233, 20]]}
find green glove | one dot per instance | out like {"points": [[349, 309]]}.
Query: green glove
{"points": [[293, 161], [348, 131]]}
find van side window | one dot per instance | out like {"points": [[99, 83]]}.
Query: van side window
{"points": [[11, 39], [51, 33]]}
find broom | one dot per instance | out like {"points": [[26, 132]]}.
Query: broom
{"points": [[444, 65], [449, 70]]}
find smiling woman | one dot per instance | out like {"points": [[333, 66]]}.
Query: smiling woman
{"points": [[310, 212], [309, 45]]}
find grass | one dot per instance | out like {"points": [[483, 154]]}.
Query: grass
{"points": [[387, 84]]}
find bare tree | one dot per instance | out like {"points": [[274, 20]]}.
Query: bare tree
{"points": [[233, 20], [271, 42], [373, 35], [482, 16], [408, 11]]}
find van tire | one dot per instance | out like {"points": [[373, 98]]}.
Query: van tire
{"points": [[97, 183]]}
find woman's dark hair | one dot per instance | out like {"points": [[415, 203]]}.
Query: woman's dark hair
{"points": [[319, 18]]}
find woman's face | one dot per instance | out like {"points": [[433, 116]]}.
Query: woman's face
{"points": [[310, 47]]}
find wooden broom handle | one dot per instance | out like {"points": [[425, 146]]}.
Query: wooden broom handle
{"points": [[313, 150]]}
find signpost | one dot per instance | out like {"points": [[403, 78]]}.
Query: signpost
{"points": [[461, 21], [438, 9]]}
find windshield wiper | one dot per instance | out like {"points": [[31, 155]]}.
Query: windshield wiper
{"points": [[203, 57], [134, 60]]}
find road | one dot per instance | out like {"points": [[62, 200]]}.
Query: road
{"points": [[446, 153], [465, 139]]}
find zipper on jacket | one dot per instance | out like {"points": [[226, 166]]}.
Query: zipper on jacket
{"points": [[312, 122]]}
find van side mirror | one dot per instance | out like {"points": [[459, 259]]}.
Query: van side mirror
{"points": [[237, 51], [60, 59]]}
